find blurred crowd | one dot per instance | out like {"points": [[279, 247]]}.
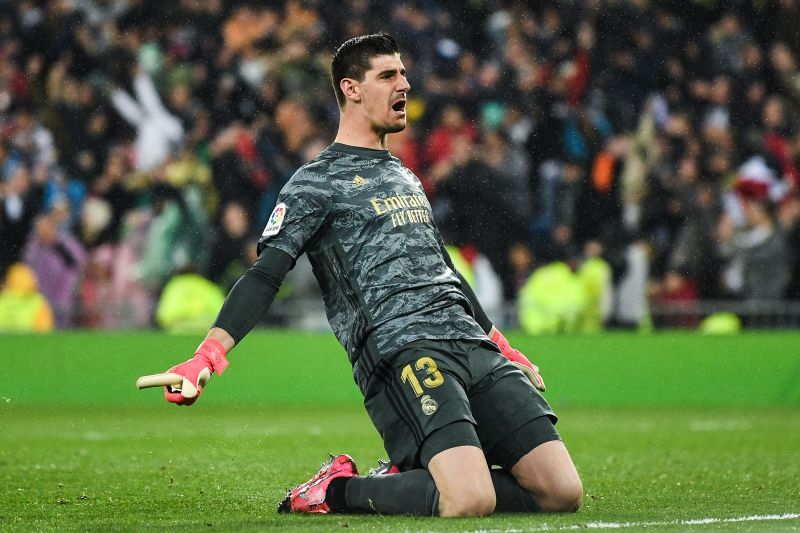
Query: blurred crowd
{"points": [[140, 141]]}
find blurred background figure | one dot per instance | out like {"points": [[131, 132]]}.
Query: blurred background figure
{"points": [[158, 132], [56, 258], [22, 199], [536, 129], [229, 255], [752, 242], [189, 303], [22, 307]]}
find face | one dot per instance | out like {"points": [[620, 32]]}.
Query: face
{"points": [[46, 230], [751, 211], [234, 219], [383, 94]]}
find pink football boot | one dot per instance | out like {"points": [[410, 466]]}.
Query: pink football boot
{"points": [[310, 496]]}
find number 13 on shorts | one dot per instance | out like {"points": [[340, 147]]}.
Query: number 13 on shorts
{"points": [[433, 380]]}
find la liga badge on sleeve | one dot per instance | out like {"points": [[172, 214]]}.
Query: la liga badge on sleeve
{"points": [[275, 220]]}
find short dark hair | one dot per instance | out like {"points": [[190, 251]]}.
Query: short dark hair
{"points": [[352, 59]]}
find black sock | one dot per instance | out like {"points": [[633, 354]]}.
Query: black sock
{"points": [[415, 493], [335, 495], [409, 493], [511, 498]]}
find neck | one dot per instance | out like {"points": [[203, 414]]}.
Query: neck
{"points": [[355, 131]]}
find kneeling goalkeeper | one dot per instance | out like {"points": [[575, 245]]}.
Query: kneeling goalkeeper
{"points": [[443, 387]]}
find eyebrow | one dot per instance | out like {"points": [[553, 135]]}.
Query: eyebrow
{"points": [[388, 72]]}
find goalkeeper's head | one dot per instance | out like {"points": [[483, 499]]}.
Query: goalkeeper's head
{"points": [[369, 79]]}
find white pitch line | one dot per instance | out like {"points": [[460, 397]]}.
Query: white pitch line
{"points": [[622, 525]]}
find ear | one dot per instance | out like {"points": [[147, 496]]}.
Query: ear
{"points": [[351, 89]]}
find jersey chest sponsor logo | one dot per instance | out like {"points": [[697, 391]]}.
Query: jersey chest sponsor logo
{"points": [[275, 220], [403, 209]]}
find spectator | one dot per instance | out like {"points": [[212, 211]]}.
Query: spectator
{"points": [[22, 307], [174, 237], [22, 198], [728, 39], [509, 164], [593, 112], [789, 218], [758, 259], [56, 258], [188, 304], [158, 133], [474, 199], [228, 257], [452, 125], [32, 141]]}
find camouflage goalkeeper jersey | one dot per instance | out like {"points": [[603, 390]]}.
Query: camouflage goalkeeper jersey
{"points": [[366, 225]]}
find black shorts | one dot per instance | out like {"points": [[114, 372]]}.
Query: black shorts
{"points": [[435, 395]]}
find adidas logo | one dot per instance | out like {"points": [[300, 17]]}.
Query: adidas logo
{"points": [[358, 181]]}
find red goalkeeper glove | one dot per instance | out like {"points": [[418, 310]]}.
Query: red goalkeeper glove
{"points": [[530, 370], [195, 373]]}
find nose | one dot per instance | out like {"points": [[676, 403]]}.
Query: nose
{"points": [[404, 85]]}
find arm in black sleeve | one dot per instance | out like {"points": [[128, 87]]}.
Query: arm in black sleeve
{"points": [[480, 316], [252, 295]]}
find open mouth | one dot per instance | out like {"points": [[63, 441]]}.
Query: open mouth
{"points": [[399, 106]]}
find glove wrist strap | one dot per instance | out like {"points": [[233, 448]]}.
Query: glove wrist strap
{"points": [[213, 352], [501, 342]]}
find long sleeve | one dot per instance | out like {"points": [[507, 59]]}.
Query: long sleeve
{"points": [[151, 102], [127, 107], [253, 294], [479, 314]]}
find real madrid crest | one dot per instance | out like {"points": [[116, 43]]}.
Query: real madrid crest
{"points": [[429, 405]]}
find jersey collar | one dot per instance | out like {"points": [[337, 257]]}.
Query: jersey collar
{"points": [[369, 153]]}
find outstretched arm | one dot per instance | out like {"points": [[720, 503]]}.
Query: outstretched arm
{"points": [[302, 209], [151, 102], [244, 306], [252, 295], [127, 107]]}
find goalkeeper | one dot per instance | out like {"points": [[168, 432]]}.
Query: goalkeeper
{"points": [[441, 384]]}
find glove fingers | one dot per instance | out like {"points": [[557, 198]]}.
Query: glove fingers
{"points": [[542, 386], [529, 374], [539, 377], [203, 377], [533, 376], [192, 376], [188, 389], [173, 395], [158, 380]]}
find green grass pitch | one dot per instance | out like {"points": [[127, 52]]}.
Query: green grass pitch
{"points": [[671, 432]]}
